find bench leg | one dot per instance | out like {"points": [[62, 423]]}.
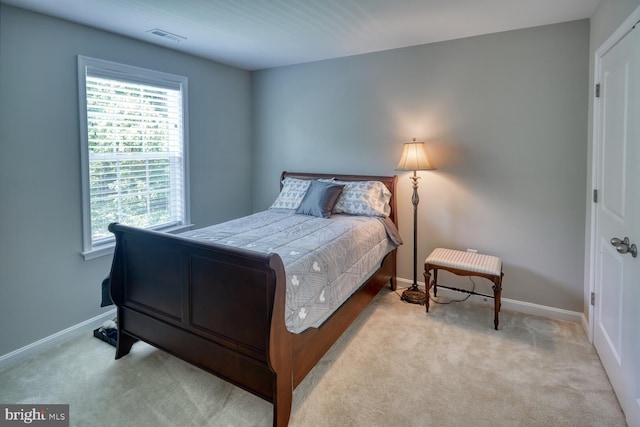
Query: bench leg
{"points": [[427, 285], [435, 282], [497, 291]]}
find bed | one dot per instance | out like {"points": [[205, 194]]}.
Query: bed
{"points": [[224, 308]]}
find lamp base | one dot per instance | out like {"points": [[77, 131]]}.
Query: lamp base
{"points": [[414, 295]]}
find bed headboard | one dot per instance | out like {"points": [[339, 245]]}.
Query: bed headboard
{"points": [[389, 181]]}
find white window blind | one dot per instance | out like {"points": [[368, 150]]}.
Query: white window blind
{"points": [[134, 148]]}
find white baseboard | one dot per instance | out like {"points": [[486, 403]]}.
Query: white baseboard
{"points": [[51, 341], [510, 304]]}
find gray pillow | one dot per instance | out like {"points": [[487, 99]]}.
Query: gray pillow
{"points": [[320, 199]]}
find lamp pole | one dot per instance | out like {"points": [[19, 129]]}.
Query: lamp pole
{"points": [[414, 294], [415, 199]]}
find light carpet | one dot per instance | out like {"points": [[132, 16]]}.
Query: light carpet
{"points": [[395, 366]]}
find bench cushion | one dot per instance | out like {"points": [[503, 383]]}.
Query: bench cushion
{"points": [[462, 260]]}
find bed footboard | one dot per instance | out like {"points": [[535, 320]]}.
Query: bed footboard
{"points": [[216, 307]]}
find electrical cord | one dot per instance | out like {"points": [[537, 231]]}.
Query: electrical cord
{"points": [[455, 300], [442, 302]]}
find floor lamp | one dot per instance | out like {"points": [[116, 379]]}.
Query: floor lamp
{"points": [[414, 158]]}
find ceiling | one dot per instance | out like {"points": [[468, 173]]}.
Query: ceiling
{"points": [[257, 34]]}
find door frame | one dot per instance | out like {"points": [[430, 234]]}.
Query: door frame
{"points": [[590, 284]]}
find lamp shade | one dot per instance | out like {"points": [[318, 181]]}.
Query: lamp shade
{"points": [[414, 157]]}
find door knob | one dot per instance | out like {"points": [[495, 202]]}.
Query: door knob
{"points": [[617, 242], [624, 246]]}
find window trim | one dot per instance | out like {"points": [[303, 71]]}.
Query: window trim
{"points": [[134, 74]]}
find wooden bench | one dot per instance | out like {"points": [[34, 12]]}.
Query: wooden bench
{"points": [[464, 263]]}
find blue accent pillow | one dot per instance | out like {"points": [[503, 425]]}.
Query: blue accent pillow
{"points": [[320, 199]]}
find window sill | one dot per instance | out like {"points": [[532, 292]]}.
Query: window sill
{"points": [[99, 251], [108, 248]]}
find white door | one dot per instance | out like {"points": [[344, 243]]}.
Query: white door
{"points": [[617, 271]]}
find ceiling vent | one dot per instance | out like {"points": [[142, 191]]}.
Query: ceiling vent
{"points": [[166, 35]]}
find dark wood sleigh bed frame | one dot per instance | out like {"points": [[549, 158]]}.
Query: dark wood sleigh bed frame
{"points": [[223, 309]]}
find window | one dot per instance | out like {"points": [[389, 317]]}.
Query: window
{"points": [[134, 149]]}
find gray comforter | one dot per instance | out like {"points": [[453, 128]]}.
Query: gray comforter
{"points": [[326, 260]]}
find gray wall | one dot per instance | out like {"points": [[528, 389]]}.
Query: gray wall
{"points": [[609, 15], [505, 120], [45, 285]]}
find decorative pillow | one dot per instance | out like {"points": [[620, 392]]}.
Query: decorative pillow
{"points": [[292, 193], [320, 199], [369, 198]]}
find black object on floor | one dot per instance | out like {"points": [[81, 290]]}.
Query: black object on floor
{"points": [[107, 335]]}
